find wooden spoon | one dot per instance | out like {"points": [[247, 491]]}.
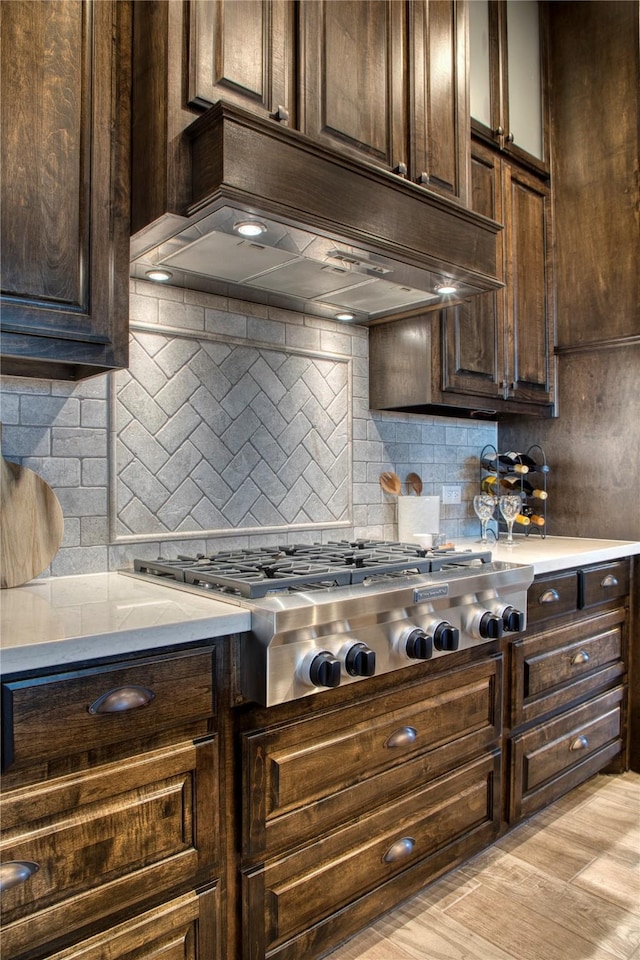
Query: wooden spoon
{"points": [[414, 483], [390, 483]]}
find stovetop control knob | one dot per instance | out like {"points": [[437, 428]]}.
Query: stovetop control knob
{"points": [[446, 636], [419, 645], [513, 620], [324, 670], [360, 660], [490, 626]]}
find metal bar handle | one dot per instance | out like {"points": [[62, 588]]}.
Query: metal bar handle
{"points": [[122, 698], [580, 743], [15, 872], [581, 657], [399, 850], [402, 737], [549, 596]]}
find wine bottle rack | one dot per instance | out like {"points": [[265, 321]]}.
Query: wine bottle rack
{"points": [[530, 486]]}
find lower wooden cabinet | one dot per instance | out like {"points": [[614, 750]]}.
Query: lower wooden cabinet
{"points": [[299, 903]]}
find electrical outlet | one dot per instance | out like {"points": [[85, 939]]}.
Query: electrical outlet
{"points": [[451, 494]]}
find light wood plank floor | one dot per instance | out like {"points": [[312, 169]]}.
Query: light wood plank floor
{"points": [[565, 885]]}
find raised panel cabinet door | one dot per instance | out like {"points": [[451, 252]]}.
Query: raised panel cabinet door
{"points": [[473, 332], [351, 78], [243, 51], [65, 186], [528, 266], [439, 120]]}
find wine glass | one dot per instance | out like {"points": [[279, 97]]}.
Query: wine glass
{"points": [[484, 505], [510, 506]]}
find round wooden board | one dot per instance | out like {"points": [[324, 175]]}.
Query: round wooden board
{"points": [[31, 524]]}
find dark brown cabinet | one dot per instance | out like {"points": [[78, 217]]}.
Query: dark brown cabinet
{"points": [[568, 684], [491, 354], [381, 794], [508, 78], [65, 187], [111, 799]]}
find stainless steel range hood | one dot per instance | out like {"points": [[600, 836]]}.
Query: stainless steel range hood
{"points": [[338, 237]]}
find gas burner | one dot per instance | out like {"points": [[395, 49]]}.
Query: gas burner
{"points": [[259, 572]]}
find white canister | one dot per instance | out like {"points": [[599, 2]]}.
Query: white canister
{"points": [[417, 515]]}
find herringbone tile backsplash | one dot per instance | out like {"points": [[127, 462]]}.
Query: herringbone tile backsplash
{"points": [[234, 424]]}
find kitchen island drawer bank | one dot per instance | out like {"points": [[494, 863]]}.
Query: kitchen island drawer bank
{"points": [[204, 821]]}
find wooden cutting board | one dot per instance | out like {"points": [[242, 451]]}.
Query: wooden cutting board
{"points": [[31, 524]]}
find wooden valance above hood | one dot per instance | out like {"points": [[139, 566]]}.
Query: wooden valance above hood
{"points": [[340, 235]]}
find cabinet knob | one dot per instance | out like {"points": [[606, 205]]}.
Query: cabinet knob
{"points": [[580, 743], [581, 657], [509, 138], [122, 698], [403, 737], [423, 179], [399, 850], [15, 872], [498, 132], [401, 169], [609, 581], [549, 596], [281, 114]]}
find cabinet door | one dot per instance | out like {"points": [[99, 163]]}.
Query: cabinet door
{"points": [[439, 106], [242, 51], [473, 333], [528, 263], [65, 187], [508, 85], [351, 78]]}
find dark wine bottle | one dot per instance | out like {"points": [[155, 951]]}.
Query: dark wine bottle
{"points": [[527, 461], [532, 491], [532, 516], [502, 463]]}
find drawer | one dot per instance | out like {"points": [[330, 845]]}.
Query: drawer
{"points": [[68, 713], [302, 778], [106, 839], [550, 670], [598, 585], [315, 885], [169, 931], [555, 756], [552, 596]]}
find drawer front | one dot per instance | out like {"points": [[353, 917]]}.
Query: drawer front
{"points": [[552, 596], [551, 670], [604, 583], [87, 709], [287, 897], [181, 929], [107, 839], [556, 755], [358, 757]]}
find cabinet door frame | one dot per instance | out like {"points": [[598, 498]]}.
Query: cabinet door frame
{"points": [[314, 119]]}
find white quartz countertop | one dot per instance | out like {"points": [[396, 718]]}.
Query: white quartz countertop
{"points": [[58, 620], [554, 553]]}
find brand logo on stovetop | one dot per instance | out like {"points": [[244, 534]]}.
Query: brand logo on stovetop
{"points": [[430, 593]]}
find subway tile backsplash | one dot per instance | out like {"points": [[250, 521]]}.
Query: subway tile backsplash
{"points": [[235, 423]]}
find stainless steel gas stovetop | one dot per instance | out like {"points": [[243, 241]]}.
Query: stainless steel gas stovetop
{"points": [[323, 615]]}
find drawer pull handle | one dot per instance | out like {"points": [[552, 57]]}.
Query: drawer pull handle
{"points": [[122, 698], [402, 737], [609, 581], [15, 872], [580, 743], [549, 596], [399, 850], [581, 657]]}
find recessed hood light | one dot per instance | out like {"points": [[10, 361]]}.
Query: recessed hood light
{"points": [[158, 276], [345, 316], [445, 288], [250, 228]]}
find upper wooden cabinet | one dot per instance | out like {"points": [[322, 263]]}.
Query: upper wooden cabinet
{"points": [[65, 187], [242, 51], [507, 70]]}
